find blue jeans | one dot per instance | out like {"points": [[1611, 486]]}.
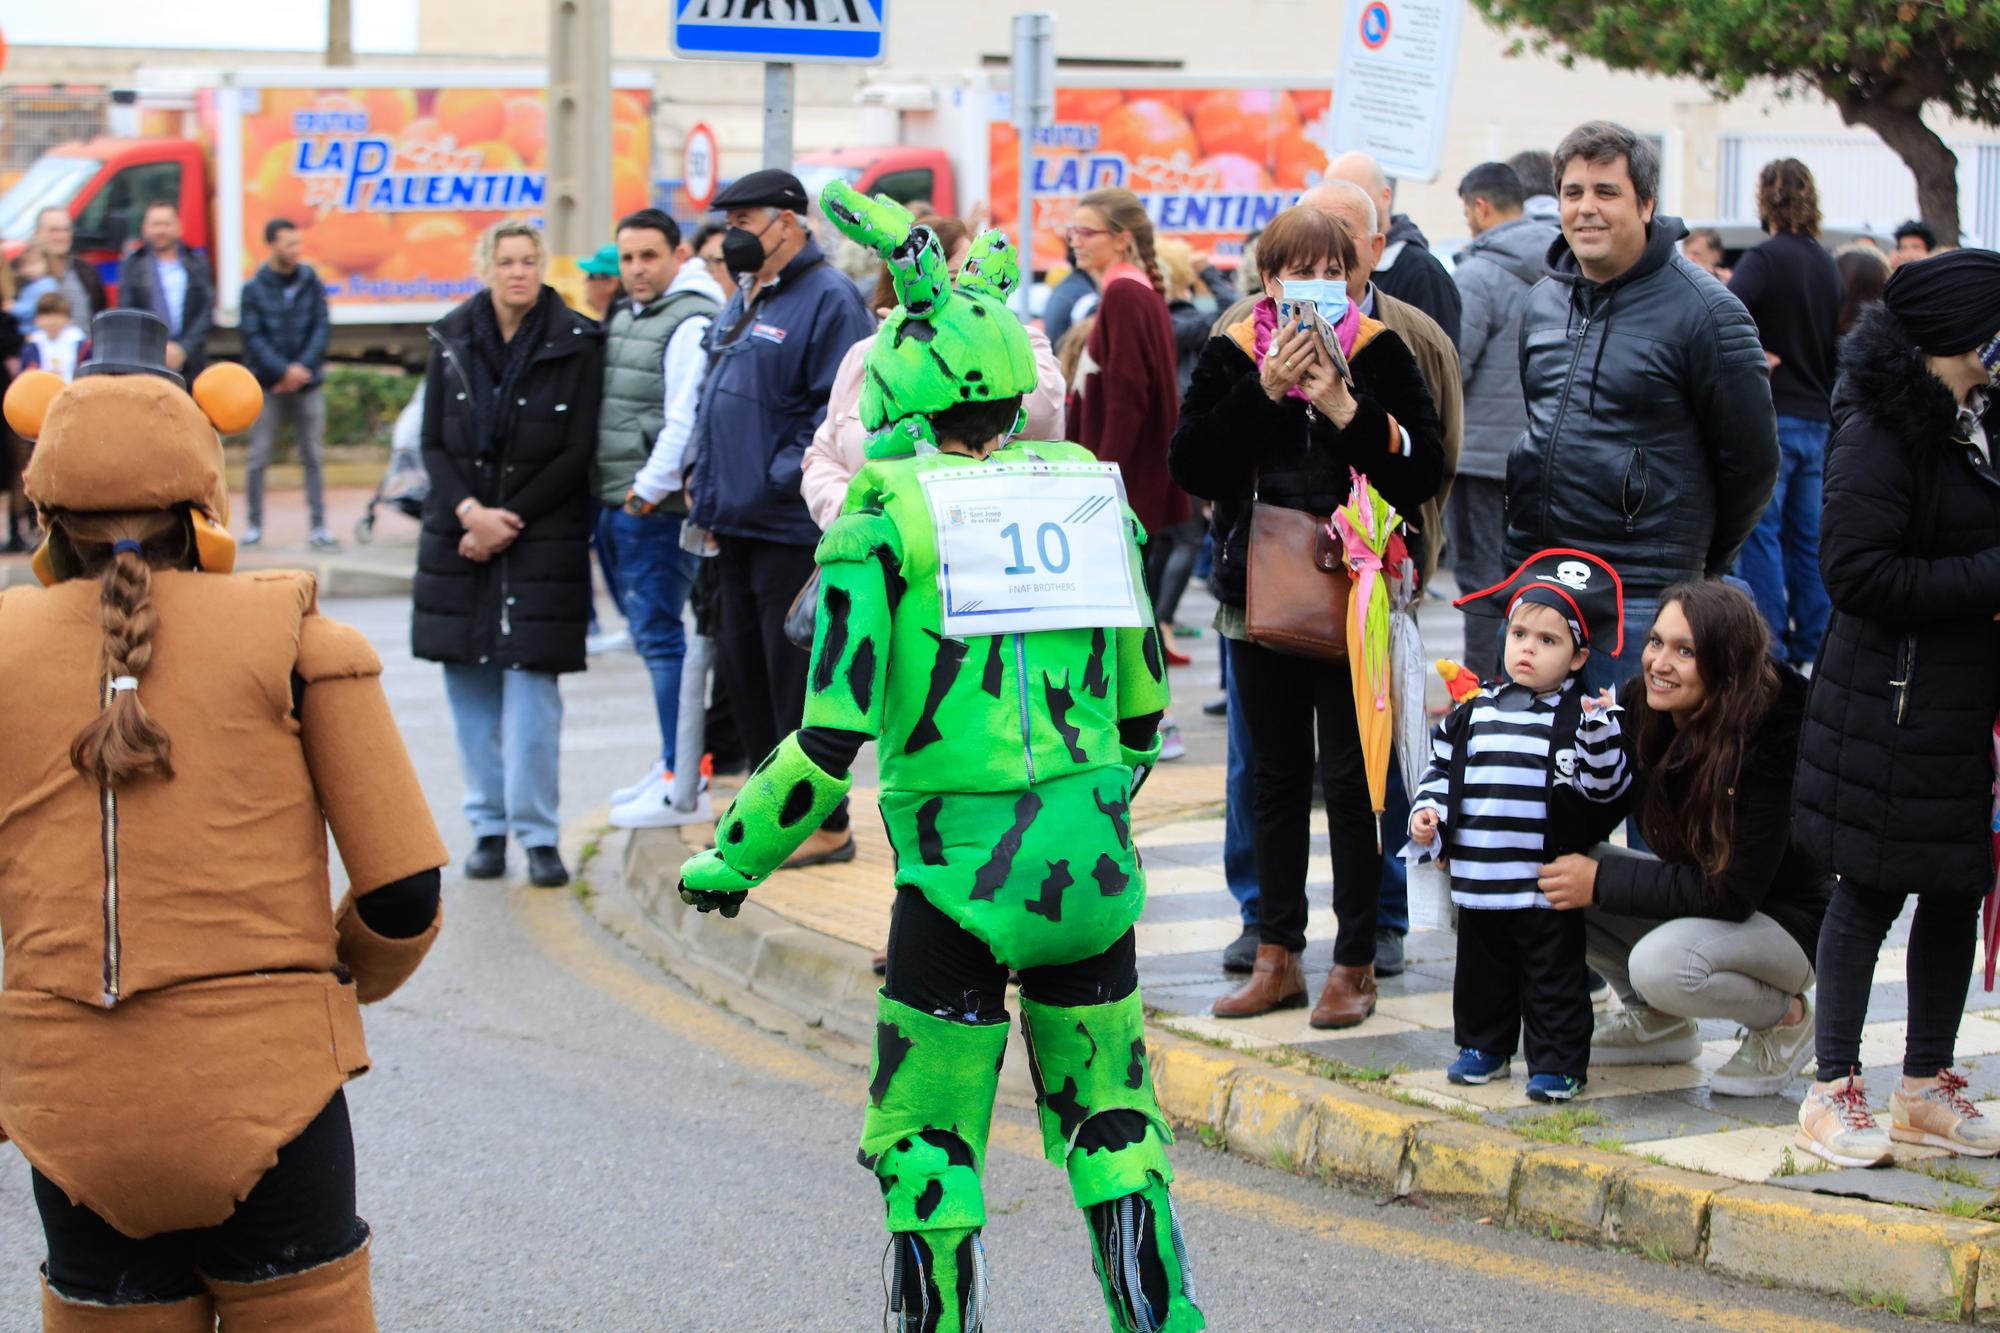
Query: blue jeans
{"points": [[1780, 561], [607, 560], [1239, 793], [654, 575], [509, 728]]}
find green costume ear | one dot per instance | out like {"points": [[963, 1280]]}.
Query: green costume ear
{"points": [[941, 347], [779, 807], [992, 268], [931, 1085]]}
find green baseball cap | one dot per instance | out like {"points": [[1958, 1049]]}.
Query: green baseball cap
{"points": [[603, 264]]}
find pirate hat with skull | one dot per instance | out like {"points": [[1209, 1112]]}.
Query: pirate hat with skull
{"points": [[946, 343], [1582, 587]]}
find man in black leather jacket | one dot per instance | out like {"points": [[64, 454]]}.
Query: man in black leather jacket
{"points": [[1651, 439]]}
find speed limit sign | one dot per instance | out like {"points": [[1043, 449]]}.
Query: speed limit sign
{"points": [[698, 166]]}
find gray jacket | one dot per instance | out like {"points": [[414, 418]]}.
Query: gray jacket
{"points": [[1494, 275]]}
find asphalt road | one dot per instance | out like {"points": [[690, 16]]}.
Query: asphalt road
{"points": [[557, 1136]]}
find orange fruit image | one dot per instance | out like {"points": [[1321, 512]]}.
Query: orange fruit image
{"points": [[471, 114], [354, 242], [527, 128], [1295, 158], [389, 110], [276, 190], [1311, 103], [630, 190], [1148, 129], [1231, 173], [273, 121], [625, 141], [434, 245], [1087, 105], [228, 395], [1245, 121], [1184, 100], [631, 106]]}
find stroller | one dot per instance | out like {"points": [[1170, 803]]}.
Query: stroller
{"points": [[406, 485]]}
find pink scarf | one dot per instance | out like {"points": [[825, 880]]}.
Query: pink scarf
{"points": [[1265, 319]]}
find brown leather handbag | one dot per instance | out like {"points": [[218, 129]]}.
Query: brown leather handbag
{"points": [[1298, 584]]}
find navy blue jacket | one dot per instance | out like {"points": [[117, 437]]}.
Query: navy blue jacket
{"points": [[770, 372], [277, 332]]}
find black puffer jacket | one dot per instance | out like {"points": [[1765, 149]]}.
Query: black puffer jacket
{"points": [[529, 607], [1651, 439], [1769, 870], [1895, 782], [1230, 431]]}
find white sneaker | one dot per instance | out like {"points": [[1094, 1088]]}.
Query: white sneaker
{"points": [[1643, 1036], [253, 536], [1835, 1124], [1767, 1061], [656, 774], [1171, 746], [650, 811], [1936, 1113], [607, 641]]}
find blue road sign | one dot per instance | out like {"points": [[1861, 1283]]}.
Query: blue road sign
{"points": [[801, 31]]}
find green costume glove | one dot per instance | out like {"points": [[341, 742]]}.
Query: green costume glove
{"points": [[783, 802]]}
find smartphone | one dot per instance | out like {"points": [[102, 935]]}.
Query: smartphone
{"points": [[1301, 308]]}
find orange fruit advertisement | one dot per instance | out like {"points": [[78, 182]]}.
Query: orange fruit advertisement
{"points": [[390, 187], [1211, 164]]}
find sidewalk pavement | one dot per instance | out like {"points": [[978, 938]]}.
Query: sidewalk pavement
{"points": [[1646, 1159], [382, 567]]}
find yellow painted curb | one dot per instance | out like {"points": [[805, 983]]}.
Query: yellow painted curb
{"points": [[1567, 1189], [1663, 1210], [1466, 1166]]}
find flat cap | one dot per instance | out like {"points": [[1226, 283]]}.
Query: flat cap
{"points": [[779, 189]]}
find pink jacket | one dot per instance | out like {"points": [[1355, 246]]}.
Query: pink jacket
{"points": [[837, 448]]}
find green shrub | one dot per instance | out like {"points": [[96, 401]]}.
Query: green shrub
{"points": [[361, 407]]}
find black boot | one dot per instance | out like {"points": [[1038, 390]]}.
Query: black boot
{"points": [[545, 868], [488, 859]]}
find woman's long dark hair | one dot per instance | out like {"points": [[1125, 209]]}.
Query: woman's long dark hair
{"points": [[1692, 765]]}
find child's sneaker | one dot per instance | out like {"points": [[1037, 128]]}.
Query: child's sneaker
{"points": [[1553, 1087], [1836, 1124], [1936, 1113], [1477, 1067]]}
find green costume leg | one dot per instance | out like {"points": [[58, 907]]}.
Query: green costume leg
{"points": [[1094, 1092], [930, 1105]]}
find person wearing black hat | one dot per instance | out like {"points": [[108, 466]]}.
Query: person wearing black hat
{"points": [[1513, 774], [773, 354], [1895, 780]]}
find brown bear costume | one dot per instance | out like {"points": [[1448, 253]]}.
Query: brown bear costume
{"points": [[182, 1001]]}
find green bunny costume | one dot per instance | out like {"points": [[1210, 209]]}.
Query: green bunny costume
{"points": [[1008, 763]]}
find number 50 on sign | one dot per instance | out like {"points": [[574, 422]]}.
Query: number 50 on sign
{"points": [[1032, 546]]}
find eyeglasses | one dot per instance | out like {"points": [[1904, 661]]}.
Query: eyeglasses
{"points": [[1076, 234]]}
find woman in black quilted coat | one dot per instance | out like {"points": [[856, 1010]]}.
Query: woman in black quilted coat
{"points": [[1895, 781]]}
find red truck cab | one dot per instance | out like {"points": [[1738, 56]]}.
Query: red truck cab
{"points": [[104, 185], [904, 174]]}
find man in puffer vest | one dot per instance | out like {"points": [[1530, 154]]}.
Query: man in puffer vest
{"points": [[653, 367]]}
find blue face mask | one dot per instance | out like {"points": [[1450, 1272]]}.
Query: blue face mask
{"points": [[1329, 295]]}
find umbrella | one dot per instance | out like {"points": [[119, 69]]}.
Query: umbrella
{"points": [[1364, 525], [1409, 675]]}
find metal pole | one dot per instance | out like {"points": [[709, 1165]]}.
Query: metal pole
{"points": [[577, 204], [1034, 99], [779, 86], [339, 32]]}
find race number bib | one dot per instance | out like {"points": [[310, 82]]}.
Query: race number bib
{"points": [[1032, 546]]}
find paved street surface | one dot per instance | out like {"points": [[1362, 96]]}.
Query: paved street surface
{"points": [[556, 1136]]}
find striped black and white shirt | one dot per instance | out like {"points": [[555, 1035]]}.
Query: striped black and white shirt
{"points": [[1494, 828]]}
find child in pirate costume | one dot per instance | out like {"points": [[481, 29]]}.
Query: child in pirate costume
{"points": [[182, 1000], [983, 618], [1514, 776]]}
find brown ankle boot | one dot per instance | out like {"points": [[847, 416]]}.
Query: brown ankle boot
{"points": [[1349, 997], [1278, 981]]}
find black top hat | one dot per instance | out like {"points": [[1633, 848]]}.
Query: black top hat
{"points": [[1582, 587], [129, 342]]}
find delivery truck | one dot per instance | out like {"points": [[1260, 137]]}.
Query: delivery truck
{"points": [[1214, 158], [390, 175]]}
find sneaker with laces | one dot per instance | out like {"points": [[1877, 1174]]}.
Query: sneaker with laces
{"points": [[1836, 1125], [1476, 1068], [1767, 1061], [1937, 1114], [1643, 1036], [1171, 745], [626, 795], [1553, 1087]]}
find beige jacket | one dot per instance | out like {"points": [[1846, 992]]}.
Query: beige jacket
{"points": [[839, 445], [181, 995]]}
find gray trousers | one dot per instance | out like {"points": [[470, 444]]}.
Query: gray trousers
{"points": [[1698, 967], [306, 410]]}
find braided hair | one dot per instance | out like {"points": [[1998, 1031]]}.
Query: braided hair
{"points": [[1122, 209], [124, 741]]}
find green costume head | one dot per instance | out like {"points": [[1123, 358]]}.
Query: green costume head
{"points": [[944, 345]]}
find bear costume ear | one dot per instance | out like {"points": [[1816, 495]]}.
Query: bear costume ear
{"points": [[28, 400], [228, 395]]}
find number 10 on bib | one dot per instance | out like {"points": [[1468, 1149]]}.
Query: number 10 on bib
{"points": [[1032, 546]]}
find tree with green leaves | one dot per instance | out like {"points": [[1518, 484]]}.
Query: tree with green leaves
{"points": [[1882, 64]]}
